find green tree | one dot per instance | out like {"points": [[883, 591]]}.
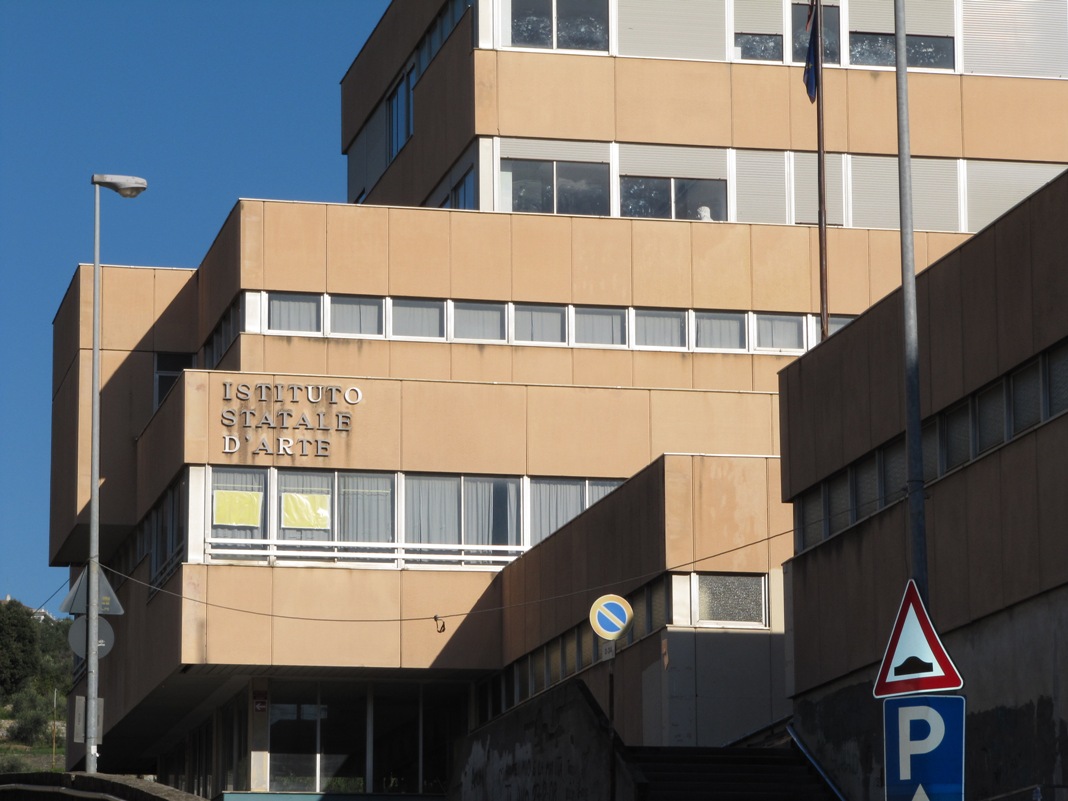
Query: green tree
{"points": [[32, 715], [20, 658], [56, 658]]}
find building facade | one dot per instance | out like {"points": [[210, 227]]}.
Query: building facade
{"points": [[578, 251]]}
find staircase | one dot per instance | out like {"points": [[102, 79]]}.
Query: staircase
{"points": [[727, 774]]}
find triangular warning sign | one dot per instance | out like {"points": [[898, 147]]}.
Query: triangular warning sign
{"points": [[915, 660], [75, 603]]}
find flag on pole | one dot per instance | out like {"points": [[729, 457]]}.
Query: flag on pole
{"points": [[809, 75]]}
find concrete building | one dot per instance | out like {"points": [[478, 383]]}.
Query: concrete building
{"points": [[994, 380], [336, 451]]}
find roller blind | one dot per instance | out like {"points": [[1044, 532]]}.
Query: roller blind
{"points": [[806, 189], [996, 186], [758, 16], [935, 197], [875, 192], [1009, 37], [922, 17], [672, 162], [761, 186], [559, 150], [693, 29]]}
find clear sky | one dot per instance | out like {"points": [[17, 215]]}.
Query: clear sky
{"points": [[210, 101]]}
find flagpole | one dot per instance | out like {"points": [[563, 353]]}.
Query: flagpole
{"points": [[821, 172]]}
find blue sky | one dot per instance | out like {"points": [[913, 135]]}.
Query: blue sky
{"points": [[210, 101]]}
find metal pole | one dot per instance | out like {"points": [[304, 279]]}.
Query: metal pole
{"points": [[821, 156], [913, 431], [92, 654]]}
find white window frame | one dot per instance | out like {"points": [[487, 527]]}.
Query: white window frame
{"points": [[695, 604]]}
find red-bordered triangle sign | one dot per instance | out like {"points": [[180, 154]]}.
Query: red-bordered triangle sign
{"points": [[915, 660]]}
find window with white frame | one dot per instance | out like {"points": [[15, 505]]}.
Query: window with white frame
{"points": [[480, 321], [555, 187], [929, 38], [293, 311], [238, 503], [556, 501], [732, 599], [672, 198], [801, 26], [559, 24], [659, 328], [780, 331], [356, 315], [418, 318], [596, 325], [305, 505], [720, 330], [400, 111], [540, 323], [366, 507], [758, 30]]}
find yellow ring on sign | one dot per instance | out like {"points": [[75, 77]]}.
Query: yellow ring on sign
{"points": [[611, 617]]}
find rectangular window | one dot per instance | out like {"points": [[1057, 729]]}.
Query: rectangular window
{"points": [[305, 505], [866, 486], [811, 517], [563, 24], [1026, 397], [582, 188], [880, 50], [462, 194], [758, 30], [290, 311], [169, 367], [721, 330], [540, 323], [553, 502], [294, 720], [838, 503], [491, 511], [659, 328], [640, 196], [780, 331], [990, 417], [432, 509], [365, 507], [931, 452], [483, 321], [556, 187], [353, 315], [419, 318], [600, 326], [528, 186], [238, 510], [958, 436], [700, 199], [732, 598], [399, 103], [1057, 368], [895, 468], [802, 30], [673, 198], [597, 488]]}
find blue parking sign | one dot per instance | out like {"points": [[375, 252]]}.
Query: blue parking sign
{"points": [[924, 748]]}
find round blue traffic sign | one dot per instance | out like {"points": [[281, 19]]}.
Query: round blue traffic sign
{"points": [[611, 617]]}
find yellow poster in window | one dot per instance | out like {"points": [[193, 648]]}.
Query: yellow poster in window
{"points": [[305, 511], [238, 508]]}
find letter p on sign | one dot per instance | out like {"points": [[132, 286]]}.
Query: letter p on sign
{"points": [[907, 747], [924, 756]]}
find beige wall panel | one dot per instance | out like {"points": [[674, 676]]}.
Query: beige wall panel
{"points": [[803, 133], [124, 411], [491, 363], [848, 277], [782, 274], [1013, 287], [979, 308], [766, 371], [781, 546], [667, 370], [248, 353], [780, 514], [69, 485], [603, 368], [420, 360], [673, 102], [1021, 552], [363, 357], [601, 266], [195, 393], [126, 319], [576, 432], [239, 626], [935, 115], [678, 482], [69, 325], [723, 371], [662, 264], [884, 259], [419, 253], [945, 336], [538, 93], [470, 639], [541, 258], [481, 247], [1030, 122], [722, 266], [721, 422], [536, 365], [175, 304], [1051, 479], [485, 68], [937, 245], [463, 428], [294, 246], [357, 250], [872, 102], [296, 354], [760, 105], [731, 513], [321, 617], [375, 441], [159, 448]]}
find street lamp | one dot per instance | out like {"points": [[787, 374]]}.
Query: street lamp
{"points": [[127, 186]]}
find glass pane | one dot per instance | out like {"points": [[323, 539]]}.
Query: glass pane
{"points": [[831, 33], [660, 328], [731, 598], [582, 24], [419, 318], [304, 505], [479, 321], [645, 197], [365, 507], [759, 46], [697, 199], [491, 511], [238, 508], [1058, 379], [838, 502], [294, 718], [931, 451], [895, 467], [540, 323], [991, 417], [812, 517], [553, 502], [932, 52], [722, 330], [287, 311], [356, 316], [532, 24], [396, 738], [343, 733], [582, 188], [780, 331], [528, 185], [595, 326], [432, 509], [1026, 397], [553, 650], [958, 436], [872, 49], [598, 488]]}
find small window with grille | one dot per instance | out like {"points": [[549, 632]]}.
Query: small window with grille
{"points": [[732, 599]]}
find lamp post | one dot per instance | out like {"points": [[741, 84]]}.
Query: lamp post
{"points": [[127, 186]]}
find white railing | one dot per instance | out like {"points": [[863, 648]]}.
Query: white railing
{"points": [[378, 554]]}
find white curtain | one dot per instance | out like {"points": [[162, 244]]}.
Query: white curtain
{"points": [[599, 487], [601, 326], [553, 502], [356, 316], [419, 318], [780, 331], [491, 511], [365, 507], [292, 312], [716, 330], [479, 321], [432, 509], [304, 505], [540, 323], [660, 328]]}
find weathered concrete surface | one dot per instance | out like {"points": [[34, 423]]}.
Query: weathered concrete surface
{"points": [[126, 788], [555, 747]]}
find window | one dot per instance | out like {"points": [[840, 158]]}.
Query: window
{"points": [[432, 509], [556, 187], [732, 598], [419, 318], [462, 194], [758, 30], [811, 517], [673, 198], [365, 507], [838, 503], [1026, 397], [353, 315], [491, 511], [880, 50], [895, 468], [553, 502], [304, 505], [483, 321], [958, 435], [990, 417], [563, 24], [238, 509], [832, 46], [399, 104], [866, 486], [224, 333], [600, 326], [1057, 365], [721, 330], [931, 452], [290, 311], [780, 331], [540, 323], [169, 367], [659, 328]]}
